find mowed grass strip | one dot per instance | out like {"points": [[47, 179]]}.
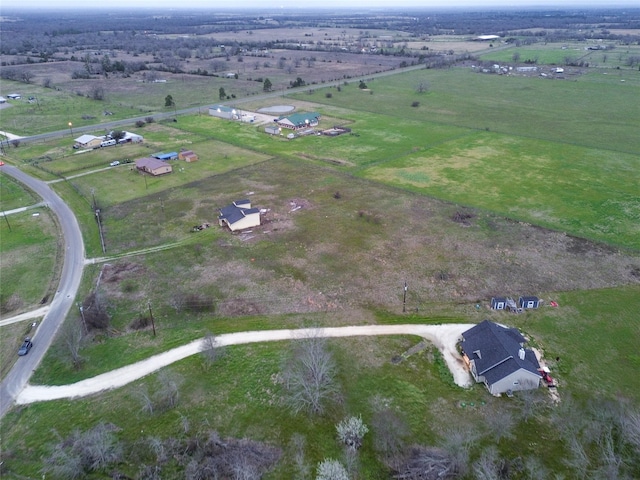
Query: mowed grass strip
{"points": [[585, 192]]}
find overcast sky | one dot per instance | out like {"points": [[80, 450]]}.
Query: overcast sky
{"points": [[213, 5]]}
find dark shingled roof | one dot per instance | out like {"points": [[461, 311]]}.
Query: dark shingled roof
{"points": [[237, 211], [496, 351]]}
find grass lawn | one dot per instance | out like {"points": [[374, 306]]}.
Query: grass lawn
{"points": [[559, 53], [539, 182], [29, 249], [562, 111], [13, 195]]}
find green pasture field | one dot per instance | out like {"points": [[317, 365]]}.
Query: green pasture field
{"points": [[539, 182], [558, 53], [13, 195], [54, 109], [24, 237], [562, 111], [124, 98], [550, 54]]}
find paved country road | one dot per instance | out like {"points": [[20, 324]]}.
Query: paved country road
{"points": [[444, 337], [62, 301]]}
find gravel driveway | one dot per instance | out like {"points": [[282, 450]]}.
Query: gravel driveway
{"points": [[444, 337]]}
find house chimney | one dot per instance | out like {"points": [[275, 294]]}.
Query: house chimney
{"points": [[521, 353]]}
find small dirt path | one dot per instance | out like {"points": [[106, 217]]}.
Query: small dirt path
{"points": [[444, 337]]}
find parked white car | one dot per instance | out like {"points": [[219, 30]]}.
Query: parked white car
{"points": [[114, 164]]}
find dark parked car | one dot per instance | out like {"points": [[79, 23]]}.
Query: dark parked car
{"points": [[26, 346]]}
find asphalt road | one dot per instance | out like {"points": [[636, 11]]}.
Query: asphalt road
{"points": [[62, 301]]}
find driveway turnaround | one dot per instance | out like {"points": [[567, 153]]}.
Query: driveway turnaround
{"points": [[444, 337]]}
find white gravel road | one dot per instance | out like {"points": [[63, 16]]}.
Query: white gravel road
{"points": [[444, 337]]}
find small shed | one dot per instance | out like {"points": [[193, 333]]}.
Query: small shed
{"points": [[188, 156], [165, 156], [529, 302], [273, 130], [153, 166], [498, 303]]}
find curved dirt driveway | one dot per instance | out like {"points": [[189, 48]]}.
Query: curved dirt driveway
{"points": [[444, 337]]}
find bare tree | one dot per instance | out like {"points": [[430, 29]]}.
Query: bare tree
{"points": [[427, 463], [488, 466], [422, 87], [99, 447], [458, 442], [63, 463], [389, 433], [96, 92], [95, 313], [168, 394], [330, 469], [297, 445], [631, 429], [146, 400], [73, 335], [215, 458], [531, 403], [534, 469], [82, 453], [500, 422], [218, 65], [211, 350], [351, 431], [310, 376]]}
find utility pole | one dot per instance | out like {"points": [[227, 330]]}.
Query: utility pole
{"points": [[404, 298], [6, 219], [84, 322], [153, 323]]}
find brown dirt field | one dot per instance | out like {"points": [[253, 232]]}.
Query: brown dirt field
{"points": [[353, 254]]}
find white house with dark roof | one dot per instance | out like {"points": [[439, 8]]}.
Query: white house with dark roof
{"points": [[239, 215], [496, 357]]}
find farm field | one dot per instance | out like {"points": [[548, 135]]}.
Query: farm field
{"points": [[476, 186]]}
